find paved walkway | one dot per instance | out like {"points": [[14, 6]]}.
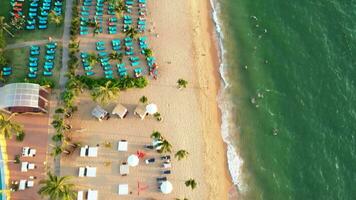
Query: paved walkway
{"points": [[29, 43], [65, 42]]}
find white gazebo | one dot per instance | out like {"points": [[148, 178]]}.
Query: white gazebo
{"points": [[99, 113], [140, 111], [120, 111], [166, 187], [133, 160], [151, 109]]}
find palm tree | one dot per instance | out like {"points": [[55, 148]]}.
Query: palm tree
{"points": [[57, 188], [181, 154], [74, 46], [118, 6], [182, 83], [58, 137], [156, 136], [132, 33], [164, 146], [59, 124], [143, 99], [105, 94], [92, 59], [75, 84], [148, 52], [57, 150], [116, 56], [54, 18], [191, 183], [7, 128], [4, 26]]}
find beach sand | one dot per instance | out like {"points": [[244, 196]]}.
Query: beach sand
{"points": [[184, 48]]}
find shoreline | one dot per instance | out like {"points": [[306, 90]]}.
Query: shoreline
{"points": [[212, 142]]}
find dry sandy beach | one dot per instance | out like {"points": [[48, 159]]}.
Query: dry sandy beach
{"points": [[184, 48]]}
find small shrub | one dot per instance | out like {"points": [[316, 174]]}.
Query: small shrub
{"points": [[17, 159], [158, 117], [20, 136], [143, 99]]}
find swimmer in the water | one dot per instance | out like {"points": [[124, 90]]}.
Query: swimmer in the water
{"points": [[275, 131]]}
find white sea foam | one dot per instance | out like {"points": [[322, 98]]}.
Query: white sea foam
{"points": [[235, 162]]}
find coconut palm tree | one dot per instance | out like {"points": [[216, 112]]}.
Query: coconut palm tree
{"points": [[57, 150], [118, 6], [8, 128], [75, 84], [59, 124], [181, 154], [182, 83], [164, 146], [148, 52], [191, 183], [4, 26], [132, 33], [57, 188], [92, 59], [58, 137], [116, 56], [54, 18], [105, 94], [156, 136], [143, 99]]}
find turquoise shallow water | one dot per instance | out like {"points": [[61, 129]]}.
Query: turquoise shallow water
{"points": [[292, 69]]}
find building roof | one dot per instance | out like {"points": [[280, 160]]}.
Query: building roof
{"points": [[20, 95]]}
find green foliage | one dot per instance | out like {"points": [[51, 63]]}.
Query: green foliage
{"points": [[182, 83], [55, 19], [143, 99], [123, 83], [105, 94], [158, 117], [57, 188], [181, 154], [148, 52], [42, 82], [17, 159], [20, 136], [164, 147], [156, 135], [3, 60], [191, 183], [132, 33], [8, 128]]}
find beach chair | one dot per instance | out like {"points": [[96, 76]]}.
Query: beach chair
{"points": [[47, 73], [7, 73], [89, 73], [32, 75], [134, 64], [92, 195], [123, 189], [80, 195], [122, 145]]}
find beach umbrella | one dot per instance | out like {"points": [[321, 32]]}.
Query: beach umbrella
{"points": [[133, 160], [151, 108], [166, 187]]}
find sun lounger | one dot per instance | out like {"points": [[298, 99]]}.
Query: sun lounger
{"points": [[92, 195], [92, 151], [31, 75], [24, 166], [87, 171], [124, 169], [47, 73], [122, 145], [83, 151], [30, 184], [166, 165], [123, 189], [89, 73], [80, 195], [22, 185]]}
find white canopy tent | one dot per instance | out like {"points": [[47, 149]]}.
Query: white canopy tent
{"points": [[166, 187]]}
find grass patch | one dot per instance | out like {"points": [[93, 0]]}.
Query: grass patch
{"points": [[30, 35], [18, 59]]}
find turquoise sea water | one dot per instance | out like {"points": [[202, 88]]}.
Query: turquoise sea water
{"points": [[291, 66]]}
